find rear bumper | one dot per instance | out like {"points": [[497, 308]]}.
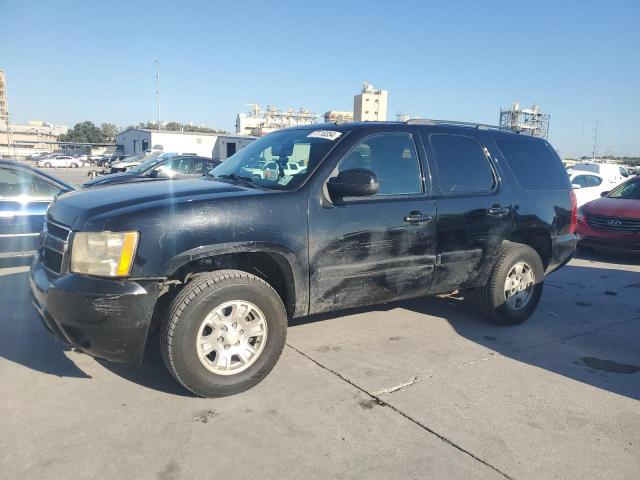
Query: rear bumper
{"points": [[563, 248], [104, 318]]}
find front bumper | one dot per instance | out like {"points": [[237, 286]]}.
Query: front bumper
{"points": [[108, 319], [608, 240]]}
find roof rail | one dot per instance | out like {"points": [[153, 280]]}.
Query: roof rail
{"points": [[429, 121]]}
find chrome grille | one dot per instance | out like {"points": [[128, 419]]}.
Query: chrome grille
{"points": [[615, 224], [55, 241]]}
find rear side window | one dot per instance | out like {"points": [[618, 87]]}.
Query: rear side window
{"points": [[533, 163], [461, 164], [593, 181]]}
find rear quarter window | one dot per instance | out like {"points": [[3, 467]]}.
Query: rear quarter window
{"points": [[535, 165]]}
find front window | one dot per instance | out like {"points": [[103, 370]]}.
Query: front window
{"points": [[281, 160], [19, 185], [627, 191], [150, 161]]}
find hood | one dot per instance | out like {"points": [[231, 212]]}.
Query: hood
{"points": [[110, 178], [124, 164], [614, 207], [76, 208]]}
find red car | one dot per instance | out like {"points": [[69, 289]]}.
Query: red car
{"points": [[613, 221]]}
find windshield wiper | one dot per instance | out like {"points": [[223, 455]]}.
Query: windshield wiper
{"points": [[244, 181]]}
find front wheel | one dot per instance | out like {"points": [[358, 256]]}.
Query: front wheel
{"points": [[515, 286], [47, 165], [224, 333], [74, 165]]}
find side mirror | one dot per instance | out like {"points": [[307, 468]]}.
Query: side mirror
{"points": [[357, 182], [575, 186], [604, 194], [154, 173]]}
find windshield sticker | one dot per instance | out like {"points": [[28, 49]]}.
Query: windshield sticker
{"points": [[330, 135]]}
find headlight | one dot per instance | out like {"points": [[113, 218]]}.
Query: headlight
{"points": [[103, 254]]}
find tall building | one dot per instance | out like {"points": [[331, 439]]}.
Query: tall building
{"points": [[370, 105], [4, 108], [525, 120]]}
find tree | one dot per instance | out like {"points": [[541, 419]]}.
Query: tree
{"points": [[85, 132], [109, 132]]}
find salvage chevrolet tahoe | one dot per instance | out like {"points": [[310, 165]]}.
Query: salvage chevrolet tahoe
{"points": [[381, 212]]}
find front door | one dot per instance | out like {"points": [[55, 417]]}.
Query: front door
{"points": [[370, 250], [475, 211]]}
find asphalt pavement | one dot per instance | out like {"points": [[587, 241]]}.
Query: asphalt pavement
{"points": [[419, 389]]}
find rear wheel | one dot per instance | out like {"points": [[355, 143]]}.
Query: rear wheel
{"points": [[224, 333], [515, 286], [74, 165]]}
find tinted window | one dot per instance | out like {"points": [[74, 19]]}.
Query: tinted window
{"points": [[392, 157], [461, 164], [629, 191], [593, 181], [532, 161], [16, 183], [580, 180]]}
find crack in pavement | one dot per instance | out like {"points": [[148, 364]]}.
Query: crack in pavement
{"points": [[382, 403], [495, 354], [375, 396]]}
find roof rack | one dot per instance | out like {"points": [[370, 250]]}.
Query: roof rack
{"points": [[432, 122]]}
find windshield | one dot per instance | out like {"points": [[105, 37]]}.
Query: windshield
{"points": [[281, 160], [151, 160], [627, 191]]}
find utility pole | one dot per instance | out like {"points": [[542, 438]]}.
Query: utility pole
{"points": [[157, 66], [596, 127]]}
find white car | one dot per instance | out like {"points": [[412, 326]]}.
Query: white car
{"points": [[587, 185], [612, 173], [60, 161], [270, 170]]}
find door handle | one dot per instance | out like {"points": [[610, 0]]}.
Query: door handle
{"points": [[498, 211], [417, 218]]}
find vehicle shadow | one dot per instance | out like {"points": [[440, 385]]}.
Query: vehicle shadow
{"points": [[24, 340], [587, 327]]}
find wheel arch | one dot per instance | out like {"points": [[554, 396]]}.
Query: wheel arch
{"points": [[537, 238], [275, 264]]}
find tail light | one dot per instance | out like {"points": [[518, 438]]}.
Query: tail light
{"points": [[574, 213]]}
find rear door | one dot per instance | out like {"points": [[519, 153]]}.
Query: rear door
{"points": [[370, 250], [475, 210], [24, 198]]}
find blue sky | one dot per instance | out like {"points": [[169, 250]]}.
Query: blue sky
{"points": [[87, 60]]}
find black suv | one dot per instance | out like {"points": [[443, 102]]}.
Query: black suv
{"points": [[377, 212]]}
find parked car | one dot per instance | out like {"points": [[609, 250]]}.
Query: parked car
{"points": [[587, 186], [128, 161], [225, 260], [25, 194], [166, 166], [60, 161], [613, 173], [613, 221]]}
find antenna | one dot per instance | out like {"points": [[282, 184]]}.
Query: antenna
{"points": [[156, 64]]}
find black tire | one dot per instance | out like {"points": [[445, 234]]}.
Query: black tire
{"points": [[47, 165], [186, 314], [74, 165], [492, 298]]}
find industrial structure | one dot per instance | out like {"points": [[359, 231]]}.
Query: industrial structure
{"points": [[337, 116], [370, 105], [259, 123], [525, 120]]}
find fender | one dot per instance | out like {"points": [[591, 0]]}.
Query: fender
{"points": [[300, 279]]}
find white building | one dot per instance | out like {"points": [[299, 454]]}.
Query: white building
{"points": [[370, 105], [338, 116], [136, 140]]}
